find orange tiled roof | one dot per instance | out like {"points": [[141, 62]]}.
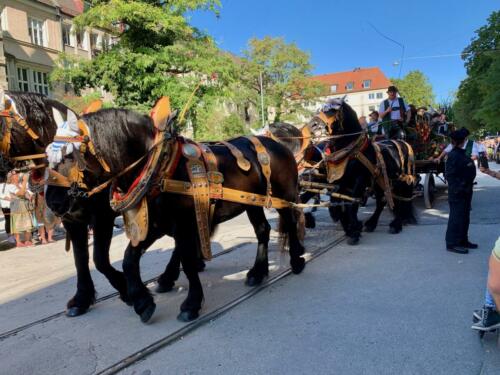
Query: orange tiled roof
{"points": [[357, 76], [70, 7]]}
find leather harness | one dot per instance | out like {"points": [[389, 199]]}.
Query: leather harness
{"points": [[205, 183]]}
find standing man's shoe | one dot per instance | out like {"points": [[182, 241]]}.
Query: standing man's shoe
{"points": [[490, 320], [470, 245], [457, 249]]}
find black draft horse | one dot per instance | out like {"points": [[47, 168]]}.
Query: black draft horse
{"points": [[37, 110], [343, 131], [121, 137]]}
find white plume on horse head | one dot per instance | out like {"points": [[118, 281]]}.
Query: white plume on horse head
{"points": [[260, 131], [334, 103], [58, 117], [69, 129]]}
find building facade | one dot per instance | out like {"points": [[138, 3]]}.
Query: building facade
{"points": [[34, 33], [364, 89]]}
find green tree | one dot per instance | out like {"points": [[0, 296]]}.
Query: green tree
{"points": [[157, 53], [415, 88], [478, 99], [285, 71]]}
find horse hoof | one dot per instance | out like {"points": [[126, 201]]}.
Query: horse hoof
{"points": [[353, 241], [75, 311], [187, 316], [253, 280], [393, 230], [310, 221], [148, 312], [161, 288], [298, 265], [369, 228]]}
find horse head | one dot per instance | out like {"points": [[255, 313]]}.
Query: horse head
{"points": [[70, 155], [336, 121]]}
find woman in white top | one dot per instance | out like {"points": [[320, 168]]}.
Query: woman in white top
{"points": [[6, 189]]}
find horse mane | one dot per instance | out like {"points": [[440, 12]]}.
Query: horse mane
{"points": [[122, 136], [288, 135]]}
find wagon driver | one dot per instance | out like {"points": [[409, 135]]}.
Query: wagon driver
{"points": [[395, 113]]}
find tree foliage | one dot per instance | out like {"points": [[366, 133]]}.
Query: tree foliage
{"points": [[157, 53], [285, 69], [478, 99], [415, 88]]}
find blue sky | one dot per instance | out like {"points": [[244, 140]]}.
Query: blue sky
{"points": [[338, 36]]}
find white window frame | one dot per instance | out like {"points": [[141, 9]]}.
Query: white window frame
{"points": [[365, 86], [379, 95], [40, 82], [334, 88], [84, 45], [33, 84], [37, 33], [371, 96], [23, 84], [347, 86], [69, 28]]}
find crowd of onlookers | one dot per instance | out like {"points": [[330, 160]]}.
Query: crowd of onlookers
{"points": [[25, 212]]}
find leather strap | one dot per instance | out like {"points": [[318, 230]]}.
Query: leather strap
{"points": [[265, 164], [386, 186], [230, 195], [201, 194], [243, 163]]}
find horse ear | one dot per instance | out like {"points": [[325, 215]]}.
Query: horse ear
{"points": [[161, 112], [58, 117], [72, 120], [94, 106]]}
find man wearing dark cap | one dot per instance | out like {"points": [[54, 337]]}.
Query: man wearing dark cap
{"points": [[460, 173], [394, 113]]}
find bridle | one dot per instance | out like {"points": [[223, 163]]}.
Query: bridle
{"points": [[11, 116]]}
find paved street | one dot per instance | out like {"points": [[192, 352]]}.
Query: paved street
{"points": [[395, 304]]}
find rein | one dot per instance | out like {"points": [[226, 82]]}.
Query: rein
{"points": [[57, 179]]}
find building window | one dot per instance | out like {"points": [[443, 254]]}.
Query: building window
{"points": [[367, 83], [333, 88], [93, 41], [67, 35], [371, 96], [22, 79], [81, 40], [35, 30], [380, 95], [40, 83], [349, 86]]}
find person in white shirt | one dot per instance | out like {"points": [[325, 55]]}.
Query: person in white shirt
{"points": [[6, 189], [469, 146], [394, 113]]}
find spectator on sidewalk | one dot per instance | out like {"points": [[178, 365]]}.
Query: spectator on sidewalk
{"points": [[460, 173], [6, 189], [488, 318], [45, 219], [21, 221]]}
